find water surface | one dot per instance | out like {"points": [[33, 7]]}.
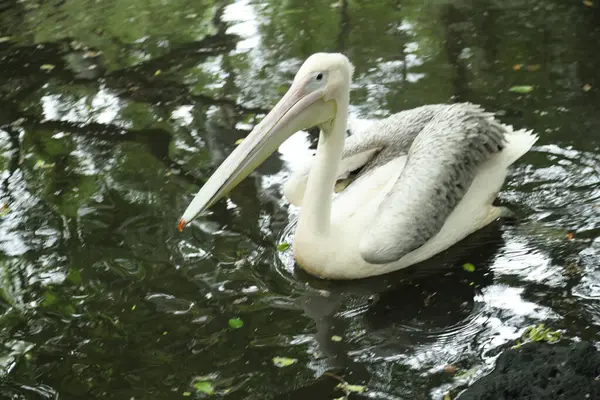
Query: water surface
{"points": [[114, 113]]}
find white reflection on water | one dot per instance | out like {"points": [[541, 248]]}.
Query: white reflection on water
{"points": [[103, 108], [243, 21]]}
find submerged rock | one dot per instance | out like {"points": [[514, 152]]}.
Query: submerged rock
{"points": [[542, 371]]}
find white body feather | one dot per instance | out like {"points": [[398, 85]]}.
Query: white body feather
{"points": [[337, 255]]}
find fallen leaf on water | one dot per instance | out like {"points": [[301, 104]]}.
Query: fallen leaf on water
{"points": [[533, 68], [42, 164], [92, 54], [187, 394], [336, 338], [588, 3], [283, 246], [469, 267], [239, 141], [450, 369], [157, 73], [572, 269], [348, 388], [47, 67], [355, 388], [517, 67], [204, 387], [5, 39], [521, 89], [283, 361], [570, 236], [587, 87], [236, 323]]}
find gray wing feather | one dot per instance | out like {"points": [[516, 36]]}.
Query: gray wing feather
{"points": [[393, 135], [449, 145]]}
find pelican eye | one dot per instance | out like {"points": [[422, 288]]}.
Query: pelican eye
{"points": [[319, 76]]}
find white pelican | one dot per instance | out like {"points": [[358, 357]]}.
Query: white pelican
{"points": [[428, 179]]}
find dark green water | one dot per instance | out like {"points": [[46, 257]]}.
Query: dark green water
{"points": [[113, 114]]}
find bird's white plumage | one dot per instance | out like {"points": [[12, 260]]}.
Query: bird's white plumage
{"points": [[338, 255], [428, 178], [295, 186]]}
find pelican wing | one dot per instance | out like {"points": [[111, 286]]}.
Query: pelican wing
{"points": [[444, 156], [369, 145]]}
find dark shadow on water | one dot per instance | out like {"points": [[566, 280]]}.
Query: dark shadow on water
{"points": [[408, 307]]}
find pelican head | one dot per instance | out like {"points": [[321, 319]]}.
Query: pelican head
{"points": [[312, 100]]}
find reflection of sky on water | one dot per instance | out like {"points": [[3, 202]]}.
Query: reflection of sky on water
{"points": [[243, 20], [103, 108]]}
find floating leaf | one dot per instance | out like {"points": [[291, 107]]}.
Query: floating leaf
{"points": [[42, 164], [588, 3], [517, 67], [283, 361], [74, 275], [5, 39], [538, 333], [47, 67], [283, 246], [187, 394], [521, 89], [204, 387], [239, 141], [92, 54], [466, 373], [450, 369], [534, 67], [570, 235], [236, 323], [572, 269], [587, 87], [336, 338], [469, 267], [157, 73], [348, 388], [355, 388]]}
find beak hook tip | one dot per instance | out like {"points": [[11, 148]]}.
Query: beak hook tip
{"points": [[181, 225]]}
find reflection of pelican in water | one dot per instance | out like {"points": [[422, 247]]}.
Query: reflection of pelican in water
{"points": [[428, 179]]}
